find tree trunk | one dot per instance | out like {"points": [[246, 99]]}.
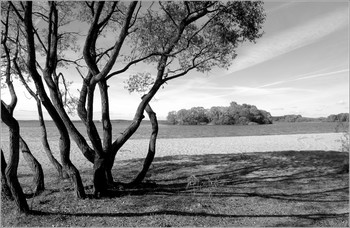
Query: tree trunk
{"points": [[5, 190], [99, 176], [151, 149], [11, 169], [73, 172], [38, 179], [46, 144]]}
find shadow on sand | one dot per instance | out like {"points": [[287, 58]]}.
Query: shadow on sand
{"points": [[290, 176]]}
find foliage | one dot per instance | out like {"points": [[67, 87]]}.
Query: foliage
{"points": [[295, 118], [195, 41], [341, 117], [233, 114], [140, 83]]}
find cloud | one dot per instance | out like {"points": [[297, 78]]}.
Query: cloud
{"points": [[279, 7], [341, 102], [272, 46], [304, 77]]}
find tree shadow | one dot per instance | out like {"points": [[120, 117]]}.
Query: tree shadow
{"points": [[204, 214], [292, 176]]}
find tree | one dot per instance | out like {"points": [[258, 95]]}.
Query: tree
{"points": [[233, 114], [177, 36], [5, 190], [16, 141], [11, 168], [171, 117]]}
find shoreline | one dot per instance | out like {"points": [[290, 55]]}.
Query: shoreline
{"points": [[137, 148]]}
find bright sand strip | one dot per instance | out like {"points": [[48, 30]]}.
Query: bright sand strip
{"points": [[195, 146]]}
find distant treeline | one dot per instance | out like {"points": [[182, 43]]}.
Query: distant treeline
{"points": [[341, 117], [244, 114], [220, 115]]}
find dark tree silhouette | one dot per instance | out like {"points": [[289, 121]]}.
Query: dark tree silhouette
{"points": [[11, 169], [5, 190]]}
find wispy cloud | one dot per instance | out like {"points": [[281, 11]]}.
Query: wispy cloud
{"points": [[283, 5], [341, 102], [304, 77], [270, 47]]}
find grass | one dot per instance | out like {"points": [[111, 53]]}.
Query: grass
{"points": [[289, 188]]}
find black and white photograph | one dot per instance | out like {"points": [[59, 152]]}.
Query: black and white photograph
{"points": [[175, 113]]}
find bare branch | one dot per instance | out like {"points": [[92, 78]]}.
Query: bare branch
{"points": [[8, 80], [135, 17], [91, 7], [44, 17], [21, 78], [194, 65], [71, 61], [17, 12], [115, 52], [130, 64], [106, 19], [168, 13]]}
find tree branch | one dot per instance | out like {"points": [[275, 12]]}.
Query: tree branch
{"points": [[117, 46], [17, 12], [130, 64], [168, 13]]}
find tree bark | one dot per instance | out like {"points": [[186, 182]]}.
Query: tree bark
{"points": [[5, 190], [11, 169], [38, 179], [151, 148], [99, 176]]}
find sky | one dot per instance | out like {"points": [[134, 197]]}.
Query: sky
{"points": [[299, 66]]}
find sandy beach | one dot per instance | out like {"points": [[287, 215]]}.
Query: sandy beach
{"points": [[194, 146]]}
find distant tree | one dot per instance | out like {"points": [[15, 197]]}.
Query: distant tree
{"points": [[171, 117], [233, 114], [341, 117]]}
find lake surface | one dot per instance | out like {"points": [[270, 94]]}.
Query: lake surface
{"points": [[30, 130]]}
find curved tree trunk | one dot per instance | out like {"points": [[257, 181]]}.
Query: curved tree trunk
{"points": [[46, 144], [11, 169], [38, 179], [151, 148], [5, 190]]}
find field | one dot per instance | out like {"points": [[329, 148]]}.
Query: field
{"points": [[280, 188]]}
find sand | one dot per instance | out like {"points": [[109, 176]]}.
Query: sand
{"points": [[195, 146]]}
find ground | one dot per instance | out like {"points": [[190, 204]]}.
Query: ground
{"points": [[289, 188]]}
